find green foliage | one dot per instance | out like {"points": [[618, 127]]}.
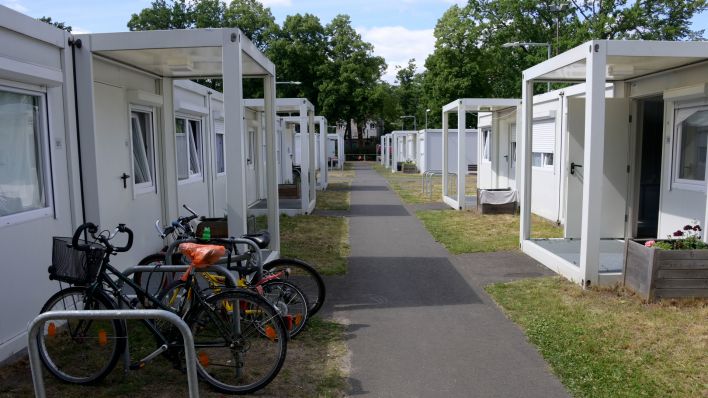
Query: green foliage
{"points": [[57, 24], [350, 75], [298, 50], [469, 60]]}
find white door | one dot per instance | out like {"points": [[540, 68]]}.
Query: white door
{"points": [[128, 147], [616, 159], [251, 161], [504, 157]]}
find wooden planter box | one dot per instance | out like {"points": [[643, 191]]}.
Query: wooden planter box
{"points": [[655, 273], [289, 191]]}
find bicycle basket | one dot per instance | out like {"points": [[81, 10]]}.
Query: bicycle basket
{"points": [[73, 266]]}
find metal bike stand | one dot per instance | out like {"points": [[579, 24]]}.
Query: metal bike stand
{"points": [[37, 322], [170, 268]]}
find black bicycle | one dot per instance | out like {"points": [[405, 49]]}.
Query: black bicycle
{"points": [[240, 339]]}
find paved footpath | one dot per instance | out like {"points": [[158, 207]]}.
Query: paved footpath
{"points": [[419, 323]]}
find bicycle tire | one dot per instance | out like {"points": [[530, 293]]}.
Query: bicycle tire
{"points": [[305, 277], [150, 281], [291, 303], [238, 363], [81, 351]]}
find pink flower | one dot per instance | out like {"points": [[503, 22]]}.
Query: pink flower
{"points": [[696, 227], [678, 233], [687, 228], [650, 243]]}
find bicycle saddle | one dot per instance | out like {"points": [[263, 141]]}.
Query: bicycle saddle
{"points": [[261, 239]]}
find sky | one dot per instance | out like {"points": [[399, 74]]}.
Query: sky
{"points": [[398, 29]]}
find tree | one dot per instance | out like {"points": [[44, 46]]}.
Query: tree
{"points": [[57, 24], [468, 51], [250, 16], [349, 76], [162, 16], [298, 51]]}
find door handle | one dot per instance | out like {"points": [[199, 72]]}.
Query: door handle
{"points": [[125, 177], [573, 166]]}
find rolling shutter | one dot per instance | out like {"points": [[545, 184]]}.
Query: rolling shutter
{"points": [[544, 135]]}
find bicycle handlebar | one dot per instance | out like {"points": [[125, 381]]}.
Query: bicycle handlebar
{"points": [[92, 229]]}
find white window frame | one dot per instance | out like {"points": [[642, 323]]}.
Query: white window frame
{"points": [[676, 182], [487, 139], [223, 149], [193, 177], [43, 141], [544, 161], [143, 187]]}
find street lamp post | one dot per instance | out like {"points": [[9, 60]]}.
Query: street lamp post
{"points": [[414, 120], [527, 44], [426, 118]]}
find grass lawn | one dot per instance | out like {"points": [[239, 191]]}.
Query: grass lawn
{"points": [[470, 232], [608, 343], [335, 197], [408, 186], [320, 240], [313, 367]]}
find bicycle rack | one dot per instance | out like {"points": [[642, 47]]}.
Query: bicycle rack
{"points": [[171, 268], [187, 337], [427, 181]]}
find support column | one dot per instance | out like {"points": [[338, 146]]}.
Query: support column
{"points": [[272, 198], [323, 152], [461, 155], [236, 204], [445, 153], [593, 167], [394, 152], [165, 168], [524, 182], [313, 164], [304, 160]]}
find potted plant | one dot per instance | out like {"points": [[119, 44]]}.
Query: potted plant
{"points": [[672, 267]]}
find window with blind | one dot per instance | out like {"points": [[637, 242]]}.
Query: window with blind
{"points": [[544, 140]]}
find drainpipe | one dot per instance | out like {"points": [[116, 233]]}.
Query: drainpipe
{"points": [[76, 43], [561, 97]]}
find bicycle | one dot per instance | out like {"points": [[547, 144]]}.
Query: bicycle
{"points": [[240, 339], [304, 276]]}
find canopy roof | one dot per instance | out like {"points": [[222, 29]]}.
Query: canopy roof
{"points": [[481, 104], [291, 105], [179, 54], [626, 60]]}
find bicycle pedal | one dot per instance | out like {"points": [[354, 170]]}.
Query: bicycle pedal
{"points": [[137, 365]]}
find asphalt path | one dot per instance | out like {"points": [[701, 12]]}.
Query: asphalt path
{"points": [[419, 323]]}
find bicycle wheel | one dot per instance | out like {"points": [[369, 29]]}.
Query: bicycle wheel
{"points": [[290, 302], [240, 339], [150, 280], [305, 277], [80, 351]]}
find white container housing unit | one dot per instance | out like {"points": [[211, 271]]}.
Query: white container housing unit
{"points": [[633, 158], [301, 117], [403, 147], [499, 108], [335, 150], [139, 142], [39, 184], [429, 156]]}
